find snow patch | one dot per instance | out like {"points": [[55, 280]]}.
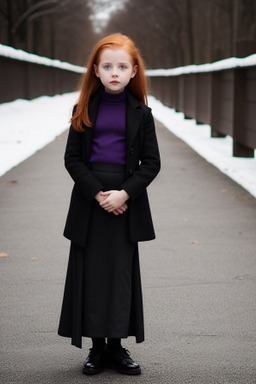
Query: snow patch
{"points": [[102, 16], [28, 125], [230, 63], [21, 55]]}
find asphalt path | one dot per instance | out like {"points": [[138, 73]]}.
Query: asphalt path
{"points": [[199, 275]]}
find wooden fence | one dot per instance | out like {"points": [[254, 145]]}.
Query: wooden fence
{"points": [[222, 95], [26, 76]]}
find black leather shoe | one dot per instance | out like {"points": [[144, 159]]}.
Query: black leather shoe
{"points": [[120, 359], [95, 362]]}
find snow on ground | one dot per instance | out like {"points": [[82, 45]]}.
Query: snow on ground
{"points": [[217, 151], [27, 126]]}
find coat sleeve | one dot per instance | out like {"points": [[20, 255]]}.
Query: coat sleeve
{"points": [[84, 179], [149, 160]]}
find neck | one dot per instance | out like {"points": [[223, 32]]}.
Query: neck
{"points": [[113, 97]]}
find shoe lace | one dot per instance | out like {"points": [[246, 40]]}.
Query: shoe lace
{"points": [[124, 352], [94, 353]]}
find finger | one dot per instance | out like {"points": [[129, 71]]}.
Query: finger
{"points": [[106, 208], [120, 211], [104, 204], [107, 192]]}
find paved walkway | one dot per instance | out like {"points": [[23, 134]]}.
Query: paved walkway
{"points": [[199, 276]]}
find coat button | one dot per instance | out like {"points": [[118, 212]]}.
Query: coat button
{"points": [[131, 151], [130, 171]]}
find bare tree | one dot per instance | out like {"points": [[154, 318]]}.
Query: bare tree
{"points": [[169, 32], [18, 13], [54, 28], [172, 32]]}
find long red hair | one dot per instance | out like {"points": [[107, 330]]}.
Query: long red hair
{"points": [[90, 83]]}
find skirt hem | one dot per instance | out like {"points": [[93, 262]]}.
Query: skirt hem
{"points": [[78, 344]]}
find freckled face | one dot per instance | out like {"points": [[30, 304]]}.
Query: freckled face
{"points": [[115, 69]]}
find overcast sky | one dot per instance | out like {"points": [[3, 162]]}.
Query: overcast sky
{"points": [[102, 10]]}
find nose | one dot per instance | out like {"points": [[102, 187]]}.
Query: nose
{"points": [[114, 72]]}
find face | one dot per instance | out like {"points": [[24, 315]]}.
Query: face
{"points": [[115, 69]]}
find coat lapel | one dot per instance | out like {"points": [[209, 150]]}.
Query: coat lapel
{"points": [[92, 111], [133, 118]]}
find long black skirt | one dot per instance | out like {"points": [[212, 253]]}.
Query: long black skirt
{"points": [[103, 296]]}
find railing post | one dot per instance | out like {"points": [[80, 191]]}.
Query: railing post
{"points": [[173, 91], [239, 110], [180, 104], [215, 93], [189, 106], [176, 93], [203, 98]]}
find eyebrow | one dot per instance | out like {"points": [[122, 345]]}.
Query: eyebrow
{"points": [[109, 62]]}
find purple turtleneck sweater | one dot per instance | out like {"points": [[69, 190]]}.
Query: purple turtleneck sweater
{"points": [[109, 141]]}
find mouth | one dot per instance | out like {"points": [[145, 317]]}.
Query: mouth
{"points": [[114, 82]]}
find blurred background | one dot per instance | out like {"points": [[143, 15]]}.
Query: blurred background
{"points": [[169, 33]]}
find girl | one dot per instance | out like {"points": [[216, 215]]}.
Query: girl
{"points": [[112, 155]]}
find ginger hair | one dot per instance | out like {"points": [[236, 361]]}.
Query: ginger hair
{"points": [[90, 83]]}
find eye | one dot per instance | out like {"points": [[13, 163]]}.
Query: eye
{"points": [[106, 66], [123, 66]]}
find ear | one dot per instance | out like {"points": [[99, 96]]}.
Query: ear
{"points": [[134, 71], [95, 67]]}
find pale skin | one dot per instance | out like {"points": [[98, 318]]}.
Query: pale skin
{"points": [[115, 70], [113, 201]]}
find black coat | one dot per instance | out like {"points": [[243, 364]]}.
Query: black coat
{"points": [[142, 166]]}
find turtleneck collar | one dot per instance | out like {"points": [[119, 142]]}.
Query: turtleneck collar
{"points": [[113, 97]]}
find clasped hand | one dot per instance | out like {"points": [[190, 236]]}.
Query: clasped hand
{"points": [[113, 201]]}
